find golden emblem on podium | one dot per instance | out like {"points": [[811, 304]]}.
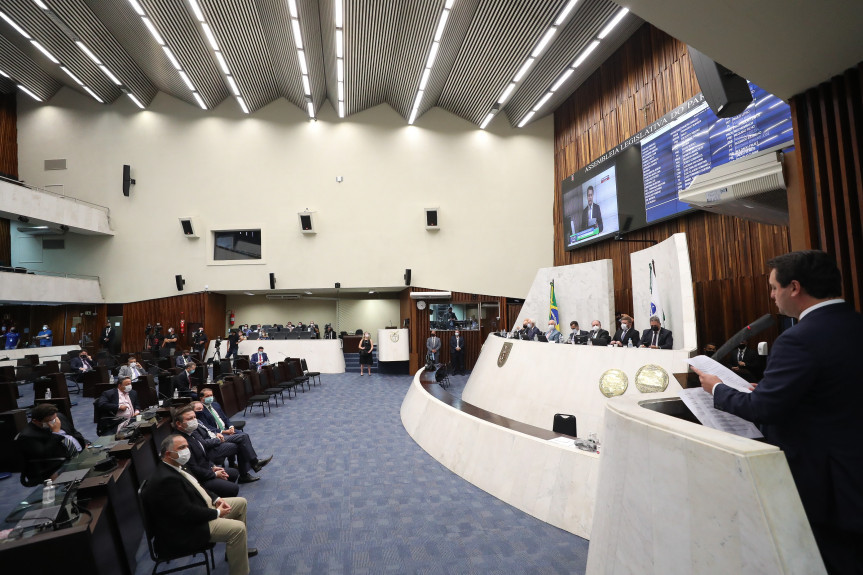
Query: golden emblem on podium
{"points": [[613, 383], [651, 378], [504, 353], [394, 336]]}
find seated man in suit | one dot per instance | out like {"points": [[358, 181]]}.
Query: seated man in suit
{"points": [[260, 359], [598, 336], [530, 330], [42, 446], [133, 370], [184, 359], [626, 334], [204, 451], [186, 517], [214, 426], [81, 364], [552, 335], [745, 362], [116, 407], [575, 334], [657, 337], [183, 382]]}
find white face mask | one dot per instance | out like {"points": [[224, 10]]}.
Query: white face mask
{"points": [[183, 456], [45, 327], [49, 424], [456, 334], [595, 328], [191, 425], [530, 325], [624, 326], [127, 388]]}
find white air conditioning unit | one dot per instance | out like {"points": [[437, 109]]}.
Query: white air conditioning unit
{"points": [[431, 294], [284, 296], [751, 188]]}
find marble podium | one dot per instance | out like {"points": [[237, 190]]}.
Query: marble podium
{"points": [[393, 345]]}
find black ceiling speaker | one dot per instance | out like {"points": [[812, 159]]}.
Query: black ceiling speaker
{"points": [[180, 282], [127, 179], [726, 93], [272, 281], [408, 277]]}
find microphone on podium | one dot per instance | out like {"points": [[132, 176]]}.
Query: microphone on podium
{"points": [[754, 328]]}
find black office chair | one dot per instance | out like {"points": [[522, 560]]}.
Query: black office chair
{"points": [[162, 557], [565, 424]]}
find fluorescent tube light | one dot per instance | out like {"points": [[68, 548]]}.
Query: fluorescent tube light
{"points": [[339, 14], [523, 70], [87, 51], [200, 100], [71, 75], [562, 79], [432, 54], [565, 12], [136, 100], [92, 93], [440, 25], [197, 10], [543, 43], [29, 93], [526, 119], [137, 7], [341, 109], [223, 64], [307, 89], [301, 56], [188, 82], [425, 78], [243, 105], [17, 27], [486, 121], [614, 22], [234, 88], [171, 57], [210, 37], [298, 36], [152, 28], [590, 48], [45, 51], [542, 101], [506, 93]]}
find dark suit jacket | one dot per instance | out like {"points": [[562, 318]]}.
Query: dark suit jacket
{"points": [[107, 337], [666, 340], [753, 371], [76, 363], [182, 381], [254, 359], [456, 342], [600, 338], [571, 338], [530, 333], [204, 416], [808, 404], [35, 443], [199, 464], [109, 402], [178, 514], [597, 215], [631, 335]]}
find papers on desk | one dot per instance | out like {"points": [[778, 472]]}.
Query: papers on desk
{"points": [[564, 441], [700, 403]]}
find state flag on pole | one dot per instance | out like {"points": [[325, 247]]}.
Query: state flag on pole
{"points": [[655, 300], [552, 308]]}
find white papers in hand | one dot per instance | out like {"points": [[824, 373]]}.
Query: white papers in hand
{"points": [[713, 367], [700, 403]]}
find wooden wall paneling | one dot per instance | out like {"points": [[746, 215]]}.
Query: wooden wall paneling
{"points": [[5, 242], [647, 77], [215, 315], [9, 135], [168, 311]]}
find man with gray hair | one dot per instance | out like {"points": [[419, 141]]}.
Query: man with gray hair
{"points": [[185, 516], [657, 337]]}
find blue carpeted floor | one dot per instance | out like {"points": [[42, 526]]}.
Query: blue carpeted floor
{"points": [[349, 491]]}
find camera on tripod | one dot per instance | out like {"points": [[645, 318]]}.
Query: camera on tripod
{"points": [[218, 342], [148, 329]]}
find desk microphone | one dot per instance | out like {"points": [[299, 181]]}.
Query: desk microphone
{"points": [[756, 327]]}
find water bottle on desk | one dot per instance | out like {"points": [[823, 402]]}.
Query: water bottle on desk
{"points": [[176, 393], [629, 343], [48, 393], [48, 493]]}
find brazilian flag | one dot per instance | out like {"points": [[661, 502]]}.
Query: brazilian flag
{"points": [[552, 308]]}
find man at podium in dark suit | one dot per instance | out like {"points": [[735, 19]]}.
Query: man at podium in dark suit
{"points": [[591, 216], [808, 402], [657, 337]]}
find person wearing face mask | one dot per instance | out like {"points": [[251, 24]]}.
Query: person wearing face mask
{"points": [[199, 342], [41, 446], [116, 407], [170, 341], [186, 516], [598, 336], [184, 359], [315, 330], [204, 450], [552, 335], [626, 334], [657, 337], [576, 336], [709, 349], [12, 338], [45, 337], [456, 353], [366, 347], [107, 337], [214, 427], [530, 330], [133, 370], [433, 345], [182, 382], [745, 362]]}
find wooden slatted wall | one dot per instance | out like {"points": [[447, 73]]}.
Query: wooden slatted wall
{"points": [[5, 243], [645, 79], [828, 136], [8, 135], [204, 307]]}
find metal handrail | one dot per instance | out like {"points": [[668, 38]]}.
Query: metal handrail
{"points": [[12, 269], [105, 209]]}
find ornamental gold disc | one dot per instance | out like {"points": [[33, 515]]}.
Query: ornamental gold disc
{"points": [[613, 382], [651, 379]]}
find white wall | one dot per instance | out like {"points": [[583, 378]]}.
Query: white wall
{"points": [[232, 170]]}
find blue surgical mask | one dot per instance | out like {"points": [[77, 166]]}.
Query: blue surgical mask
{"points": [[208, 400], [191, 371]]}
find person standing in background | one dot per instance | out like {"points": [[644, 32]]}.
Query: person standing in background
{"points": [[366, 346], [433, 344], [456, 353]]}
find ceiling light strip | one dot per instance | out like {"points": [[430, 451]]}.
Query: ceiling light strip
{"points": [[582, 56], [540, 47], [301, 57], [22, 88], [432, 57], [340, 56], [50, 56], [169, 53]]}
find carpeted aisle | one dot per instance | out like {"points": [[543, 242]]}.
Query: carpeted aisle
{"points": [[350, 492]]}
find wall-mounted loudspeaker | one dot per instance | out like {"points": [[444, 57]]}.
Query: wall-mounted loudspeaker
{"points": [[408, 277], [272, 281], [431, 219], [188, 225], [726, 93], [127, 179], [307, 222], [338, 285], [180, 282]]}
